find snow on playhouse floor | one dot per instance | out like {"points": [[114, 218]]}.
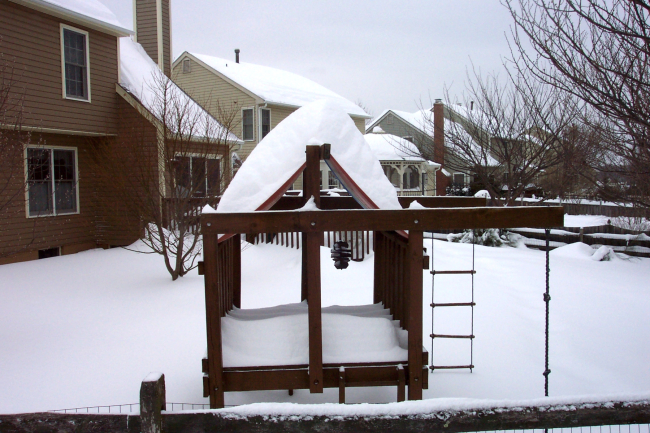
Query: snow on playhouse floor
{"points": [[85, 329], [280, 336]]}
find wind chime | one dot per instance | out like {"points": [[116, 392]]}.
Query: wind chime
{"points": [[341, 254]]}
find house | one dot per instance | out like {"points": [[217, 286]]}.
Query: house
{"points": [[81, 83], [260, 96], [425, 128], [409, 173]]}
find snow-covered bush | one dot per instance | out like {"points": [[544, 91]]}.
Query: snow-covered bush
{"points": [[486, 237]]}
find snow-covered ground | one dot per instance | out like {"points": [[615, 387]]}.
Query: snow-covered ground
{"points": [[85, 329]]}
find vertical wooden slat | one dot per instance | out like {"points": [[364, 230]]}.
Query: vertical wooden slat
{"points": [[213, 321], [376, 291], [414, 269], [236, 268], [401, 383], [341, 385]]}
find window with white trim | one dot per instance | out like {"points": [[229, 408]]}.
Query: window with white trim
{"points": [[76, 78], [198, 176], [51, 181], [265, 122], [247, 124]]}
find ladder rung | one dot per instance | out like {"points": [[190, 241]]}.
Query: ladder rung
{"points": [[448, 367], [450, 336], [453, 272], [455, 304]]}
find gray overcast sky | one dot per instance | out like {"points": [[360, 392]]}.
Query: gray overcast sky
{"points": [[385, 53]]}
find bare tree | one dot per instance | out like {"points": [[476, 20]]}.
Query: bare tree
{"points": [[599, 52], [508, 134], [166, 165]]}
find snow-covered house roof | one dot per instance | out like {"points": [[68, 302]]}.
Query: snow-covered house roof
{"points": [[89, 13], [421, 119], [144, 80], [274, 86], [280, 157], [387, 147]]}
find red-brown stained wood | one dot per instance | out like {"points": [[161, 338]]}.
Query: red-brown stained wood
{"points": [[236, 252], [414, 271], [342, 385], [377, 282], [401, 383], [312, 247], [213, 321], [386, 220]]}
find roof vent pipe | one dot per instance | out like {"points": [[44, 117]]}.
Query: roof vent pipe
{"points": [[237, 55], [471, 107]]}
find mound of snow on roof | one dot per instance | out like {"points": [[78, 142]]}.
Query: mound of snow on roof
{"points": [[277, 86], [143, 79], [282, 152], [388, 147], [90, 8]]}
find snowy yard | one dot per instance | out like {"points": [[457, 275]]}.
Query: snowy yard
{"points": [[85, 329]]}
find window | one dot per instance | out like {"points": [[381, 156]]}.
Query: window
{"points": [[332, 181], [187, 66], [52, 181], [247, 124], [74, 47], [198, 176], [459, 179], [265, 122]]}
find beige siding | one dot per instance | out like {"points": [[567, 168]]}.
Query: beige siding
{"points": [[31, 42], [147, 27], [360, 123], [166, 37]]}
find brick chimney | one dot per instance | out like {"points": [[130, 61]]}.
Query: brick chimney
{"points": [[442, 181], [152, 22]]}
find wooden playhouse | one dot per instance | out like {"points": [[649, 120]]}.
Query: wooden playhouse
{"points": [[398, 276]]}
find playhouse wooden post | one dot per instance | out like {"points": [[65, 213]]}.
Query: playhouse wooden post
{"points": [[213, 319], [414, 317], [311, 273]]}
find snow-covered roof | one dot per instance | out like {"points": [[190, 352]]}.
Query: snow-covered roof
{"points": [[91, 13], [421, 119], [275, 86], [142, 78], [281, 154], [387, 147]]}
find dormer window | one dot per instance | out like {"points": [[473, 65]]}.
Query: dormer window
{"points": [[75, 61]]}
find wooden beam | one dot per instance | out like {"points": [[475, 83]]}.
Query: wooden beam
{"points": [[312, 248], [347, 202], [414, 316], [382, 220], [213, 319], [342, 385]]}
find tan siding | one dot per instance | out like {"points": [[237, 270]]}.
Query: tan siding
{"points": [[146, 27], [32, 42], [167, 46], [212, 92], [361, 124]]}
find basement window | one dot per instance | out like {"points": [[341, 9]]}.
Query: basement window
{"points": [[49, 252]]}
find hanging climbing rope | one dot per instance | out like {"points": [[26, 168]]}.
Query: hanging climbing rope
{"points": [[470, 304]]}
